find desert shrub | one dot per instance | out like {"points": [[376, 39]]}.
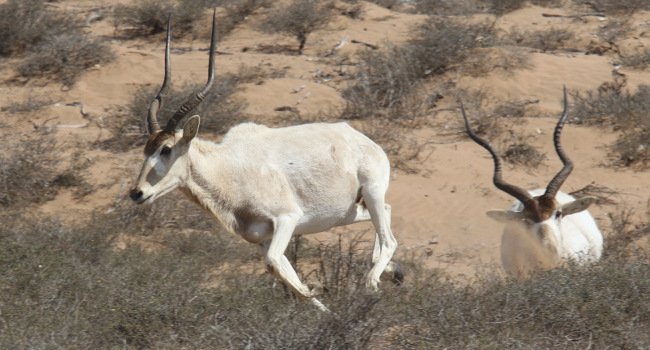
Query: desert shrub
{"points": [[55, 45], [623, 232], [446, 7], [219, 111], [545, 40], [518, 150], [616, 7], [637, 60], [501, 7], [26, 23], [32, 103], [614, 29], [298, 18], [386, 78], [236, 12], [29, 174], [608, 35], [441, 43], [485, 61], [69, 287], [627, 112], [64, 57], [389, 4], [150, 17]]}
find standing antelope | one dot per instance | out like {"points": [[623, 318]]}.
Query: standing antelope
{"points": [[544, 227], [267, 184]]}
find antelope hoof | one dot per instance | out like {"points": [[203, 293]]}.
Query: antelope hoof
{"points": [[398, 275]]}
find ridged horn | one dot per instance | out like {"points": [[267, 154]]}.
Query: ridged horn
{"points": [[152, 117], [196, 100], [557, 181], [515, 191]]}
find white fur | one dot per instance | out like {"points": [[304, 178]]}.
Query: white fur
{"points": [[576, 237], [267, 184]]}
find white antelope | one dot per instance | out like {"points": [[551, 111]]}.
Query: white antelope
{"points": [[544, 227], [267, 184]]}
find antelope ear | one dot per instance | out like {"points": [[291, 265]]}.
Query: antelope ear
{"points": [[504, 215], [190, 128], [578, 205]]}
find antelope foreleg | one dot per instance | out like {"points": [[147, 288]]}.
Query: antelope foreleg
{"points": [[278, 263]]}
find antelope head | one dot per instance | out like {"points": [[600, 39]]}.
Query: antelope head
{"points": [[166, 165], [541, 214]]}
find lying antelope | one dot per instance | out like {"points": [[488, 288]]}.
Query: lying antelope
{"points": [[544, 227], [267, 184]]}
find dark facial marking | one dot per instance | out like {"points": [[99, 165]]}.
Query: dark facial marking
{"points": [[155, 141], [539, 208]]}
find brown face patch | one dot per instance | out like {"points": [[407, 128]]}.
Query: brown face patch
{"points": [[155, 141], [547, 206], [540, 208]]}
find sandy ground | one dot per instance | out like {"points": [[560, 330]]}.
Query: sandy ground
{"points": [[439, 212]]}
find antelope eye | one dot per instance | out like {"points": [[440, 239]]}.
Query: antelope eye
{"points": [[558, 214], [165, 151]]}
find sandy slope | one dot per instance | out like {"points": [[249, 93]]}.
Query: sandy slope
{"points": [[438, 213]]}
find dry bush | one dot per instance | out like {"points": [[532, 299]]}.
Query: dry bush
{"points": [[55, 45], [638, 60], [488, 120], [27, 23], [623, 233], [68, 287], [235, 12], [29, 174], [545, 40], [148, 17], [628, 112], [441, 43], [447, 7], [485, 61], [518, 150], [616, 7], [614, 29], [603, 194], [389, 4], [386, 79], [609, 34], [219, 111], [298, 18], [64, 58], [501, 7], [31, 104]]}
